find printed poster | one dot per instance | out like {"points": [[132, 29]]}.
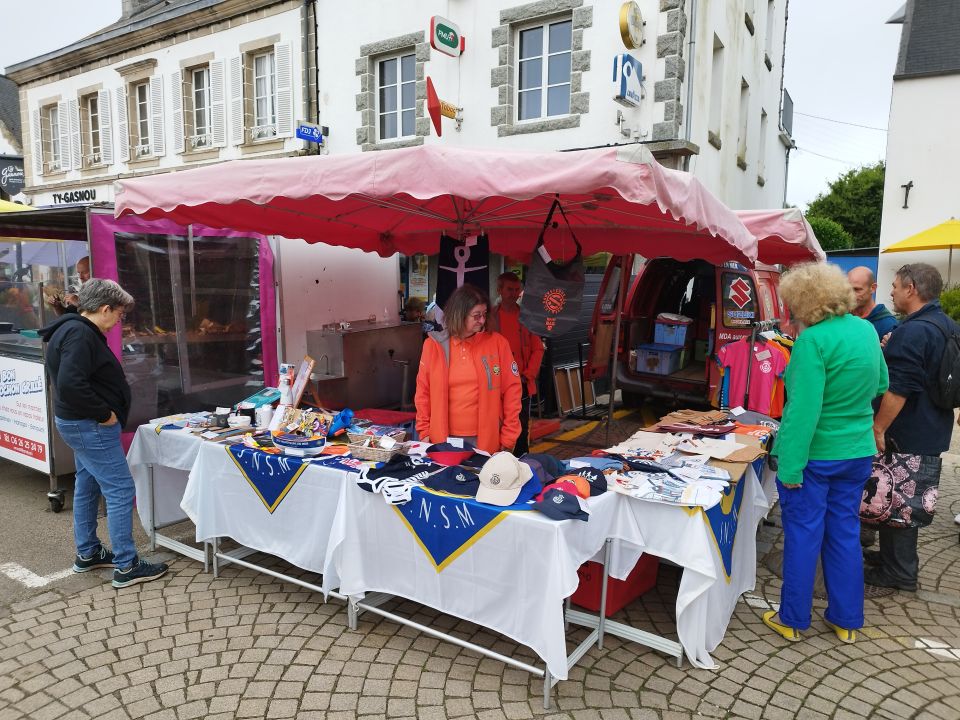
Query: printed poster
{"points": [[23, 414]]}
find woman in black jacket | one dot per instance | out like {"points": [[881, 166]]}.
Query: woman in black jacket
{"points": [[91, 404]]}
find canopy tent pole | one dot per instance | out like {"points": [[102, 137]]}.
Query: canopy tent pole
{"points": [[949, 266], [616, 344]]}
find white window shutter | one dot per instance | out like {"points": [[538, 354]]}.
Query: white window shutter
{"points": [[36, 145], [176, 103], [236, 100], [63, 113], [283, 55], [156, 115], [76, 149], [218, 108], [123, 132], [106, 127]]}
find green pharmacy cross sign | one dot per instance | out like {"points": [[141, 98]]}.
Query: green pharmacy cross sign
{"points": [[445, 36]]}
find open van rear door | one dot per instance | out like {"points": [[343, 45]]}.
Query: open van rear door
{"points": [[603, 325]]}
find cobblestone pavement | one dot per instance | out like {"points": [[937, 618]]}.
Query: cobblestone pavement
{"points": [[249, 646]]}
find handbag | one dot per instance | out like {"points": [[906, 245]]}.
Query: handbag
{"points": [[553, 292], [902, 489]]}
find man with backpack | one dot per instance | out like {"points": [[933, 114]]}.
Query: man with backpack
{"points": [[915, 415]]}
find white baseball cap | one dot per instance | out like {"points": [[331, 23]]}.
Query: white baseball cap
{"points": [[501, 479]]}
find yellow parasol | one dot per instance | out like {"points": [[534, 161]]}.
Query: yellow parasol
{"points": [[7, 206], [944, 236]]}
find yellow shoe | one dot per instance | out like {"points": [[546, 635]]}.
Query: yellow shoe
{"points": [[785, 631], [843, 635]]}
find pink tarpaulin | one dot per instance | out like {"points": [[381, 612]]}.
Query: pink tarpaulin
{"points": [[617, 200], [783, 236]]}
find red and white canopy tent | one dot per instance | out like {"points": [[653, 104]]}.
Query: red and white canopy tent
{"points": [[617, 200], [783, 236]]}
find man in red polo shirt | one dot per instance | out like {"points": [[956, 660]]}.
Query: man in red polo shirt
{"points": [[527, 348]]}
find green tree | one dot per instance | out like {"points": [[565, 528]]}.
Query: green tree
{"points": [[831, 234], [855, 201]]}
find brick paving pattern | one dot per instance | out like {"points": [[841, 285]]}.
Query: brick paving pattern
{"points": [[248, 646]]}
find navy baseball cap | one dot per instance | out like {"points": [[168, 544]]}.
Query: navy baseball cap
{"points": [[596, 478], [454, 480], [449, 454], [558, 505]]}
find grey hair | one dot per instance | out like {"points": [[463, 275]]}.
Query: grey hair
{"points": [[97, 292], [926, 280]]}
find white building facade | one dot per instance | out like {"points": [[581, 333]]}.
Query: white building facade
{"points": [[540, 76], [923, 148]]}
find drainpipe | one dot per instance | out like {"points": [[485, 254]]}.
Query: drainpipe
{"points": [[308, 101], [688, 75]]}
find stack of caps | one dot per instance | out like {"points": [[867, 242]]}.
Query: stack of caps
{"points": [[563, 499]]}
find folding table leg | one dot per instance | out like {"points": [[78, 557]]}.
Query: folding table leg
{"points": [[153, 508], [603, 593], [216, 561], [547, 688], [352, 613]]}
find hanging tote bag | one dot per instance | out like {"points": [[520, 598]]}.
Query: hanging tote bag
{"points": [[902, 490], [553, 292]]}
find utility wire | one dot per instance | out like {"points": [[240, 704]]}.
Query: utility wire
{"points": [[827, 157], [840, 122]]}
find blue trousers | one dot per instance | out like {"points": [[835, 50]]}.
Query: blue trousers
{"points": [[821, 520], [101, 469]]}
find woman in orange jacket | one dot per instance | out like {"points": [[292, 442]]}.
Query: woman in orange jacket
{"points": [[468, 385]]}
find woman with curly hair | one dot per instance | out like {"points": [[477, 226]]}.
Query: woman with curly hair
{"points": [[825, 447]]}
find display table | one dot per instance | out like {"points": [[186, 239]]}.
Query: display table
{"points": [[512, 579], [160, 462], [222, 502], [717, 550]]}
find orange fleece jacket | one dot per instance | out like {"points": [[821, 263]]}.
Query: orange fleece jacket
{"points": [[530, 346], [499, 422]]}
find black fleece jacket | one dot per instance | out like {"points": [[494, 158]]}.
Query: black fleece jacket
{"points": [[88, 380]]}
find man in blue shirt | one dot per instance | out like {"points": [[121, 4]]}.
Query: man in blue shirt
{"points": [[864, 286], [908, 417]]}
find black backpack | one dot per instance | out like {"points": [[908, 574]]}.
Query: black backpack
{"points": [[945, 384]]}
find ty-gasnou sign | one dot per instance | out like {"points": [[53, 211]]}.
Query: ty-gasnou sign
{"points": [[445, 36]]}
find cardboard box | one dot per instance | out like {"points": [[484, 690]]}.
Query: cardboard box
{"points": [[660, 359], [620, 593]]}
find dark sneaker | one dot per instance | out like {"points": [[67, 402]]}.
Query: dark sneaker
{"points": [[139, 572], [103, 558]]}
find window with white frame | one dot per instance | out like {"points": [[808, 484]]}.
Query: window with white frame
{"points": [[543, 70], [397, 97], [53, 147], [91, 145], [264, 96], [200, 96], [141, 119]]}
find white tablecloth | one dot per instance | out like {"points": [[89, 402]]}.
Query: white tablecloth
{"points": [[692, 538], [513, 580], [222, 503], [172, 453]]}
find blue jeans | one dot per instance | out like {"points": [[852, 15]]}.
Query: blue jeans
{"points": [[821, 519], [101, 470]]}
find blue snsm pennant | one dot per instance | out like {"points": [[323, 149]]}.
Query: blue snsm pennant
{"points": [[446, 526], [722, 520], [270, 476]]}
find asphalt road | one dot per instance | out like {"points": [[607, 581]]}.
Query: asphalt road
{"points": [[36, 544]]}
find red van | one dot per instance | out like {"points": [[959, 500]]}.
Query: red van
{"points": [[722, 301]]}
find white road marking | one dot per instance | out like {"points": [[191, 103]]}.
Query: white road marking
{"points": [[26, 577], [937, 648]]}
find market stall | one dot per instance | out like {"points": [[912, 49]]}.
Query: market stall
{"points": [[617, 200]]}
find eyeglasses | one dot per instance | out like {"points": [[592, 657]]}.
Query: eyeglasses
{"points": [[478, 316]]}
